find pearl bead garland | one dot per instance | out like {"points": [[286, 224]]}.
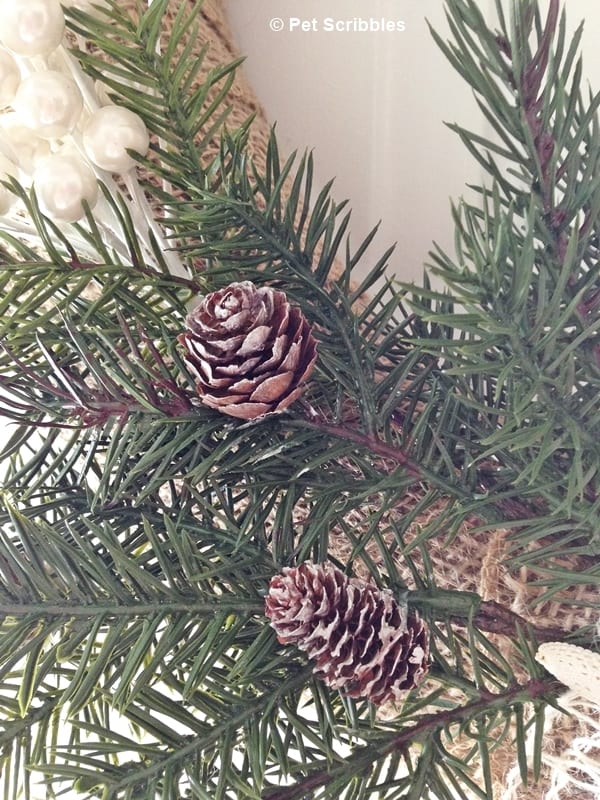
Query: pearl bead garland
{"points": [[108, 134], [26, 147], [31, 27], [46, 133], [62, 182], [49, 103], [10, 77]]}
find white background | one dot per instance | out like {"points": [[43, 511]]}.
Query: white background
{"points": [[373, 108]]}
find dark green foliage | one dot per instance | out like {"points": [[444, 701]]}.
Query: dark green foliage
{"points": [[524, 351], [140, 530]]}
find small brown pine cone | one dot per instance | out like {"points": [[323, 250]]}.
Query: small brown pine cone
{"points": [[363, 642], [249, 350]]}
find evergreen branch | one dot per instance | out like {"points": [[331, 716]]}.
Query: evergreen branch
{"points": [[192, 284], [492, 617], [135, 551], [180, 109], [68, 393], [423, 730], [68, 610], [185, 753]]}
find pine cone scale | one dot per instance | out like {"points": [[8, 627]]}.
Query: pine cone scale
{"points": [[271, 388], [292, 359], [254, 341]]}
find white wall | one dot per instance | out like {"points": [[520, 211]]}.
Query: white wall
{"points": [[372, 105]]}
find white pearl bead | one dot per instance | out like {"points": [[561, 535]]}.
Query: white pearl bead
{"points": [[49, 103], [62, 182], [26, 148], [31, 27], [10, 78], [7, 170], [108, 134]]}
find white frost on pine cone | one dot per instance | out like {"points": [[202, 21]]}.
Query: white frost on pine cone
{"points": [[363, 642]]}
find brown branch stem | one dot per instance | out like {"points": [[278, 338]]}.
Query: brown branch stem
{"points": [[492, 617], [189, 283], [372, 444], [462, 608]]}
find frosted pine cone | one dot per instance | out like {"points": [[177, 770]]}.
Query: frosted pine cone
{"points": [[363, 642], [249, 350]]}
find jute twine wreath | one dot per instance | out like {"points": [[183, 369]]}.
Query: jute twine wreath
{"points": [[474, 560]]}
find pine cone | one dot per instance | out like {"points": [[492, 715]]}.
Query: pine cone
{"points": [[363, 642], [249, 350]]}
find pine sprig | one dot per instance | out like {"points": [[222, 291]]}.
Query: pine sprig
{"points": [[124, 629], [524, 266]]}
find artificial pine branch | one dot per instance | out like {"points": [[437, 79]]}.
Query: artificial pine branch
{"points": [[525, 264], [140, 529], [423, 730]]}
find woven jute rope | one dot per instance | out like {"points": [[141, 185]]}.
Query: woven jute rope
{"points": [[475, 559]]}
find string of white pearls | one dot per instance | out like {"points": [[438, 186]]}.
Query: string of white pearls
{"points": [[52, 135]]}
